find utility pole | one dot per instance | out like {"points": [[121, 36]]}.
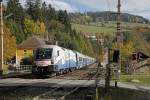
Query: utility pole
{"points": [[98, 66], [108, 73], [1, 38], [119, 35]]}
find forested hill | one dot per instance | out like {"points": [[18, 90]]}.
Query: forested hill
{"points": [[39, 19], [106, 16]]}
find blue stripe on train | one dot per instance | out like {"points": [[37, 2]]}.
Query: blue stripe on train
{"points": [[67, 64]]}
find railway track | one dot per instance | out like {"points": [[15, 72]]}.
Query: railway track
{"points": [[60, 93], [94, 73], [80, 74], [95, 68]]}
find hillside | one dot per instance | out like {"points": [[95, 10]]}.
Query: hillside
{"points": [[106, 16], [89, 29], [42, 20], [108, 27]]}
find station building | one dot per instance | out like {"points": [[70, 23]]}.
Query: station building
{"points": [[25, 49]]}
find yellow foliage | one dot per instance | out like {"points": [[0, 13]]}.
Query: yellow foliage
{"points": [[9, 44], [42, 27], [36, 28], [30, 26], [126, 50]]}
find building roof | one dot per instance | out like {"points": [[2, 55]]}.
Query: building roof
{"points": [[31, 43]]}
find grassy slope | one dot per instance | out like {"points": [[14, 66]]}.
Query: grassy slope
{"points": [[144, 79], [92, 29], [108, 28]]}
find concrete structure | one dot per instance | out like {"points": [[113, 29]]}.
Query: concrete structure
{"points": [[57, 83]]}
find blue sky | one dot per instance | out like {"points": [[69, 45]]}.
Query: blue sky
{"points": [[137, 7]]}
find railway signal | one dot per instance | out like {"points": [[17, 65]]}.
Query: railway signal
{"points": [[116, 56]]}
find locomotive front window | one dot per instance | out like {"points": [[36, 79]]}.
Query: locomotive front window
{"points": [[44, 53]]}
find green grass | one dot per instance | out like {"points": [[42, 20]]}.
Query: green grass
{"points": [[124, 25], [114, 94], [143, 78], [92, 29], [126, 94], [108, 27]]}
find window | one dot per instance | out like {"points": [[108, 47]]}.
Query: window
{"points": [[57, 53], [80, 59], [25, 53], [44, 53]]}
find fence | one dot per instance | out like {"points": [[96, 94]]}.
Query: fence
{"points": [[22, 68]]}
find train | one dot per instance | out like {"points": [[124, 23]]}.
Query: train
{"points": [[56, 59]]}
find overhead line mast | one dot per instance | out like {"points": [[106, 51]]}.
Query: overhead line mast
{"points": [[119, 36], [1, 38], [119, 21]]}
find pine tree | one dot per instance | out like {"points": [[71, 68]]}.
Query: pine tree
{"points": [[64, 19], [34, 9], [51, 13], [15, 8], [43, 11]]}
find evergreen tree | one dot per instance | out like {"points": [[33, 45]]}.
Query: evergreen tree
{"points": [[64, 19], [43, 11], [37, 11], [51, 13], [15, 8], [34, 9]]}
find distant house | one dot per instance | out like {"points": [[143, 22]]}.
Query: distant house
{"points": [[138, 62], [25, 49]]}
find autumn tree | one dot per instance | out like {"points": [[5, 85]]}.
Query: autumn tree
{"points": [[9, 44], [34, 28], [16, 29], [88, 19], [41, 28]]}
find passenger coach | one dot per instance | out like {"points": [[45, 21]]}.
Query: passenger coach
{"points": [[56, 59]]}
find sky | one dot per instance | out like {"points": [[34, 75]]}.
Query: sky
{"points": [[136, 7]]}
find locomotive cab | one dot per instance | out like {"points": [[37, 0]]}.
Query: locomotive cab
{"points": [[43, 60]]}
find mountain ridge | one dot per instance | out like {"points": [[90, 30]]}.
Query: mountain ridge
{"points": [[109, 16]]}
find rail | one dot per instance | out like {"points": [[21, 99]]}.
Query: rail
{"points": [[72, 91]]}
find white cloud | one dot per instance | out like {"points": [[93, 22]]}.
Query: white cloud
{"points": [[131, 6], [61, 5], [57, 4], [98, 5]]}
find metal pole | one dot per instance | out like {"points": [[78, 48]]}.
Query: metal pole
{"points": [[1, 38], [97, 92], [119, 34], [96, 80], [108, 74]]}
